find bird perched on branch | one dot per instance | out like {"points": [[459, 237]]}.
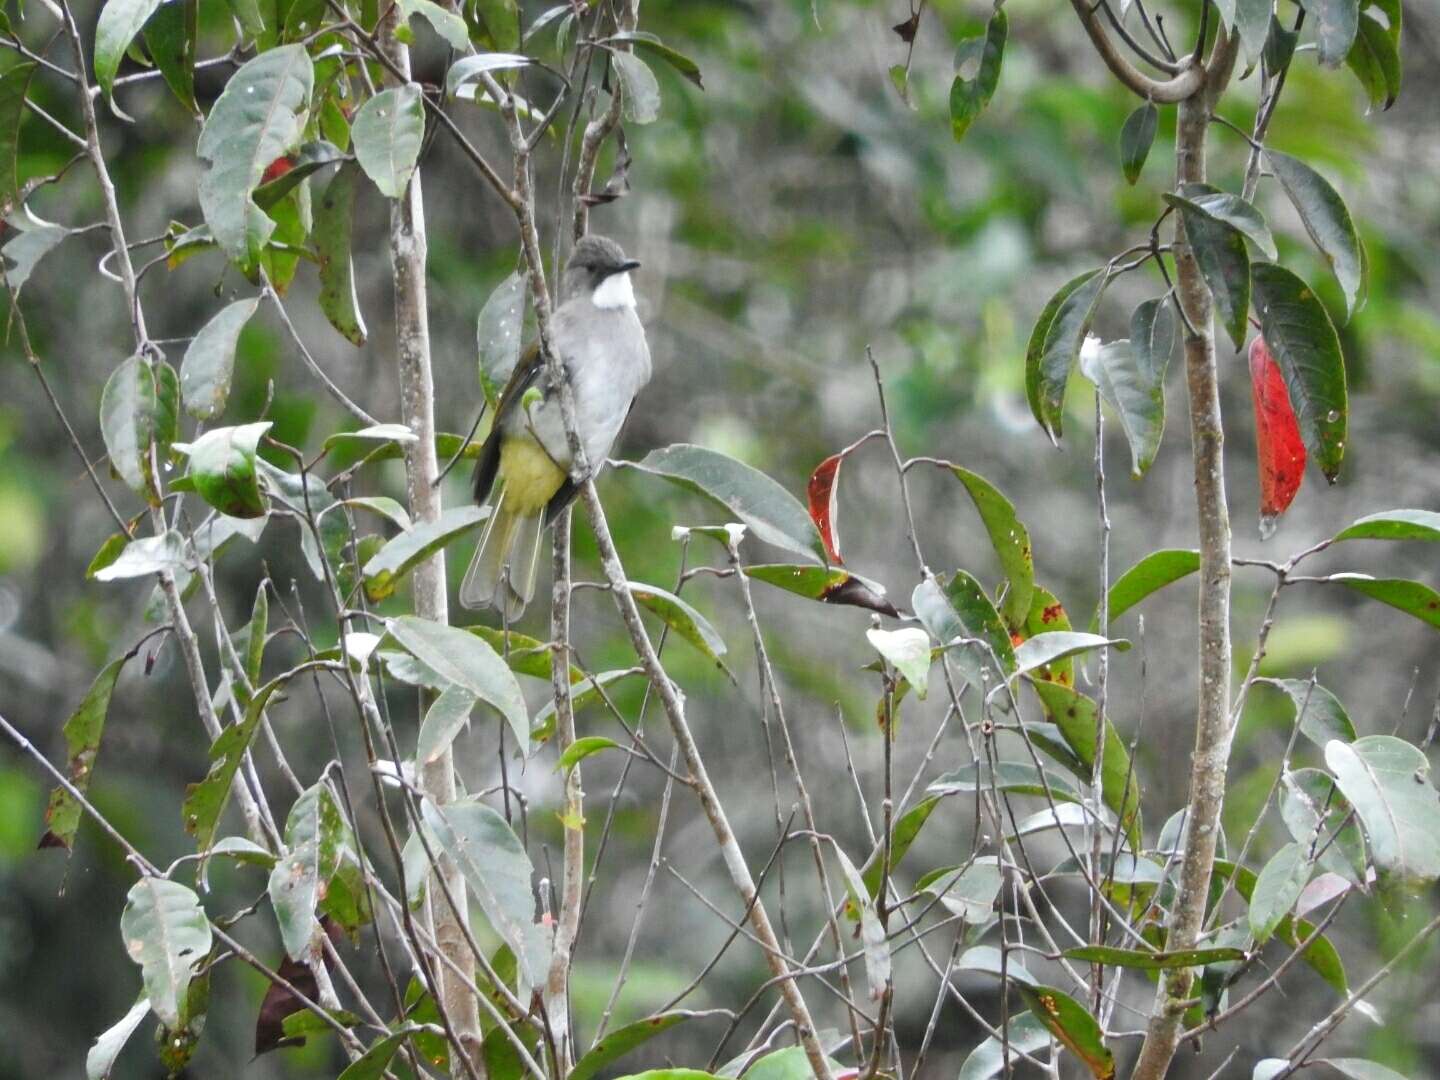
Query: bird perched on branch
{"points": [[525, 464]]}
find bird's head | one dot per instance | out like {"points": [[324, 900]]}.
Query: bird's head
{"points": [[600, 269]]}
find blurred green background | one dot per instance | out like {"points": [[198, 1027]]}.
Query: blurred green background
{"points": [[789, 216]]}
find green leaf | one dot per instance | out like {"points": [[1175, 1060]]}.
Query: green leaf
{"points": [[14, 82], [641, 97], [120, 21], [222, 467], [146, 556], [582, 748], [205, 801], [1336, 24], [583, 692], [109, 551], [1149, 575], [334, 222], [1141, 960], [1015, 777], [306, 161], [1394, 525], [1279, 46], [258, 117], [383, 505], [1235, 212], [388, 567], [971, 93], [83, 732], [1375, 56], [1411, 597], [495, 866], [243, 851], [902, 835], [1044, 649], [387, 132], [1313, 810], [768, 510], [1252, 23], [1277, 888], [1324, 717], [1071, 1023], [873, 939], [372, 1064], [622, 1040], [314, 832], [682, 618], [1387, 782], [959, 609], [525, 655], [166, 933], [447, 714], [1302, 339], [829, 585], [443, 21], [908, 649], [968, 891], [1047, 614], [1362, 1069], [655, 47], [469, 68], [1136, 138], [989, 960], [1130, 375], [133, 419], [170, 37], [788, 1064], [1010, 539], [209, 362], [1024, 1035], [101, 1059], [1055, 344], [1074, 714], [1224, 263], [502, 22], [465, 660], [498, 331], [395, 434], [31, 244], [1327, 220]]}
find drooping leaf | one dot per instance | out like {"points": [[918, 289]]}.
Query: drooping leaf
{"points": [[501, 19], [641, 92], [651, 44], [1412, 597], [901, 837], [823, 491], [682, 618], [1014, 777], [1074, 714], [209, 362], [1336, 24], [622, 1040], [1010, 539], [1044, 649], [334, 223], [387, 133], [1054, 347], [258, 117], [314, 832], [495, 866], [1224, 263], [1277, 888], [107, 1046], [1387, 782], [908, 649], [830, 585], [1149, 575], [1375, 56], [447, 714], [146, 556], [14, 82], [133, 419], [1300, 336], [1323, 717], [465, 660], [1024, 1035], [978, 61], [1132, 379], [873, 938], [83, 732], [1394, 525], [206, 801], [119, 23], [166, 933], [1279, 447], [30, 244], [582, 748], [170, 38], [388, 567], [1234, 211], [222, 468], [1327, 220], [1071, 1023], [497, 335], [469, 68], [767, 509], [1252, 23], [1136, 138]]}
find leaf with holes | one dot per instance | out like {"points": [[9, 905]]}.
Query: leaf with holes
{"points": [[166, 933], [1300, 336]]}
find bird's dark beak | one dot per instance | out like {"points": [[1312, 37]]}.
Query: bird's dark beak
{"points": [[625, 267]]}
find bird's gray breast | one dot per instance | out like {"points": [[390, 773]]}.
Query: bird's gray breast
{"points": [[608, 362]]}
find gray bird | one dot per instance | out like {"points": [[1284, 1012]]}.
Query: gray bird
{"points": [[524, 466]]}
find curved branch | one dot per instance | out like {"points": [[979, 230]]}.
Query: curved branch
{"points": [[1167, 92]]}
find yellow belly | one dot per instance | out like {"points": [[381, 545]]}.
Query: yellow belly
{"points": [[529, 477]]}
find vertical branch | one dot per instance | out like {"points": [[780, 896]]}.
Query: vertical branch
{"points": [[1213, 727], [422, 472]]}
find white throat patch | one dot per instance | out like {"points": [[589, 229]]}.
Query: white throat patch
{"points": [[615, 292]]}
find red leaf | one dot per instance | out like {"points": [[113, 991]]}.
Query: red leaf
{"points": [[1277, 438], [824, 482], [277, 168]]}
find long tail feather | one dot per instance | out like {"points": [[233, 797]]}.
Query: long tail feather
{"points": [[502, 572]]}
